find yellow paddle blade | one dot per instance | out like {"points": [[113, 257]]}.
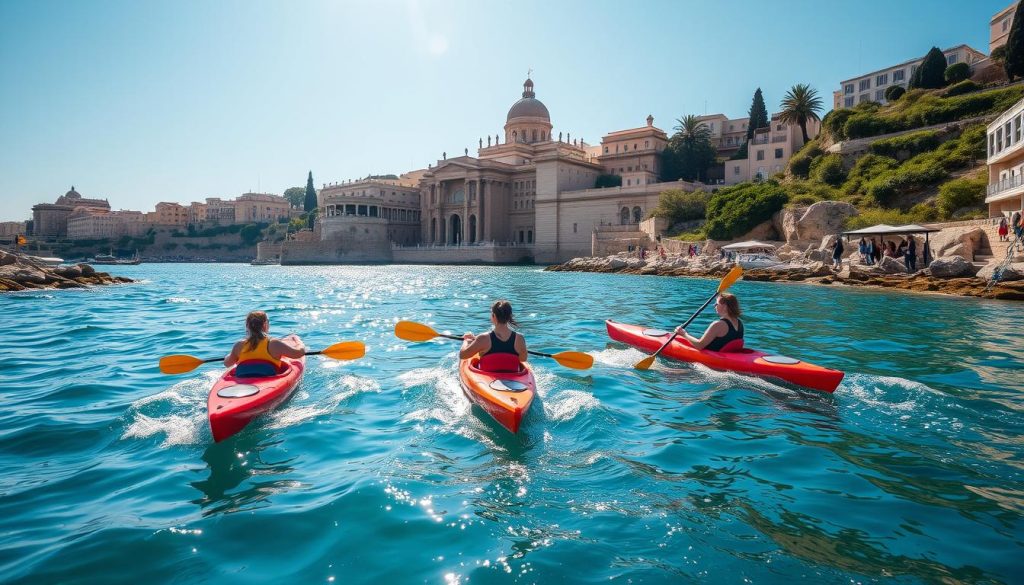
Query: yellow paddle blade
{"points": [[179, 364], [735, 274], [576, 360], [412, 331], [345, 350], [645, 363]]}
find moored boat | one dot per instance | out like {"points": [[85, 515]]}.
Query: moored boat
{"points": [[504, 390], [234, 401], [746, 361]]}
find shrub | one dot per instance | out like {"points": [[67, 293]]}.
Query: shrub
{"points": [[914, 143], [864, 124], [250, 234], [886, 188], [894, 93], [677, 205], [930, 73], [867, 168], [960, 193], [829, 170], [965, 86], [834, 122], [957, 72], [807, 192], [870, 217], [800, 163], [608, 181], [734, 211]]}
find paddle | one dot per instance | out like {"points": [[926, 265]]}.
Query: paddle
{"points": [[412, 331], [179, 364], [730, 278]]}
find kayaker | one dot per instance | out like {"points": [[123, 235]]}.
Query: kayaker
{"points": [[259, 354], [726, 334], [495, 345]]}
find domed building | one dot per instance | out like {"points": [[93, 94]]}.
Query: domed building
{"points": [[528, 119], [50, 220]]}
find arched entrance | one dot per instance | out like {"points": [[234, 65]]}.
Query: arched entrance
{"points": [[456, 229], [472, 229], [433, 230], [624, 216]]}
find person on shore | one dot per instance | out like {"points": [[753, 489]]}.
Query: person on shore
{"points": [[661, 252], [1003, 229], [890, 249], [877, 250], [902, 248], [869, 256], [862, 249], [910, 256], [726, 334], [498, 344], [1017, 221], [259, 354], [837, 253]]}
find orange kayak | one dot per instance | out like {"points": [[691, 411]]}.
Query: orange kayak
{"points": [[233, 401], [505, 395], [746, 361]]}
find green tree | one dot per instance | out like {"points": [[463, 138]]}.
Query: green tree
{"points": [[894, 92], [758, 114], [800, 105], [690, 153], [999, 56], [931, 73], [1014, 60], [309, 202], [250, 234], [295, 195], [957, 72], [608, 181], [677, 205]]}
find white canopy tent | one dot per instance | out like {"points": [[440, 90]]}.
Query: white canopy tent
{"points": [[749, 245]]}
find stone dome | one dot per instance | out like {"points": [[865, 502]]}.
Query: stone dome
{"points": [[529, 106], [72, 194]]}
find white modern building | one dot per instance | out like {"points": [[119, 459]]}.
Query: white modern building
{"points": [[1006, 162]]}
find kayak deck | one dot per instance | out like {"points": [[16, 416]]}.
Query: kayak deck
{"points": [[506, 396], [233, 401], [747, 361]]}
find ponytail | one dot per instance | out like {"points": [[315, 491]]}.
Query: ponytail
{"points": [[502, 311], [254, 324]]}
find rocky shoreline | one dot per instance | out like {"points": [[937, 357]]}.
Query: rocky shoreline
{"points": [[20, 272], [889, 275]]}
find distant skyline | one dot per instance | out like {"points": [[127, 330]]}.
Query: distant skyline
{"points": [[141, 102]]}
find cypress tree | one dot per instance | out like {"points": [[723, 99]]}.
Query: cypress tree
{"points": [[309, 204], [758, 114], [931, 73], [1014, 55]]}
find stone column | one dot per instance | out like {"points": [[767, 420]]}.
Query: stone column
{"points": [[480, 223], [464, 225]]}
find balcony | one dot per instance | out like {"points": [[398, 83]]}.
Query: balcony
{"points": [[759, 140], [780, 138], [1004, 188]]}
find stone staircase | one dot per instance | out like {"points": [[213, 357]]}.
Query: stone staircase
{"points": [[993, 249]]}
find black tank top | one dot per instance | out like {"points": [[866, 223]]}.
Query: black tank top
{"points": [[733, 334], [499, 346]]}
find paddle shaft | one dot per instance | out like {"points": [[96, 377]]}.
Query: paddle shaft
{"points": [[531, 352], [220, 359], [687, 324]]}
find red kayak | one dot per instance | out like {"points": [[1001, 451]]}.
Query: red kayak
{"points": [[505, 389], [233, 401], [746, 361]]}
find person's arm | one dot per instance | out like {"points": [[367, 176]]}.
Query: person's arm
{"points": [[474, 344], [521, 347], [232, 358], [713, 332], [293, 347]]}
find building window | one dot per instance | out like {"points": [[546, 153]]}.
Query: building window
{"points": [[897, 75], [950, 59], [647, 143], [999, 140], [991, 144], [865, 84], [529, 236], [736, 170], [881, 79], [778, 153], [1016, 129], [847, 89], [760, 155], [574, 228], [848, 102], [879, 95], [606, 150], [521, 238], [636, 214], [863, 98]]}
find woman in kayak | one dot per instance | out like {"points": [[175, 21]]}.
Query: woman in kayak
{"points": [[500, 341], [258, 354], [726, 334]]}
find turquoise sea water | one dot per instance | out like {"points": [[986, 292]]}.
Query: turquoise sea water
{"points": [[379, 471]]}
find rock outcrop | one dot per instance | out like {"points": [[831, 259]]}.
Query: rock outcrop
{"points": [[951, 267], [20, 272], [957, 241]]}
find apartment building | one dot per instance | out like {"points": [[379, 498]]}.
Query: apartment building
{"points": [[1005, 192], [999, 27], [769, 151], [728, 135], [871, 86], [169, 214], [94, 225]]}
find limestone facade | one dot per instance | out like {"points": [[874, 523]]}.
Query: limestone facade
{"points": [[50, 220], [396, 202], [115, 224], [769, 151], [12, 228]]}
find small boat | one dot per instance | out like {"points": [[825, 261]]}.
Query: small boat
{"points": [[111, 260], [234, 401], [754, 254], [265, 262], [504, 390], [47, 260], [745, 361]]}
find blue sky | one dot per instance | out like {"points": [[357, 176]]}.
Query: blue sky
{"points": [[147, 101]]}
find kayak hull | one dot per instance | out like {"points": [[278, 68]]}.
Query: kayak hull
{"points": [[505, 396], [233, 402], [747, 361]]}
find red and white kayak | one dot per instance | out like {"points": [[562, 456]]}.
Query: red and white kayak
{"points": [[233, 401], [746, 361], [505, 391]]}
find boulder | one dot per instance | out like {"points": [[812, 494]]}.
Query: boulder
{"points": [[961, 241], [821, 219], [1011, 273], [762, 231], [8, 259], [68, 271], [87, 269], [785, 223], [890, 265], [951, 267], [615, 263]]}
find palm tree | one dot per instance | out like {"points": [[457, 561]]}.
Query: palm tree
{"points": [[692, 130], [800, 105]]}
